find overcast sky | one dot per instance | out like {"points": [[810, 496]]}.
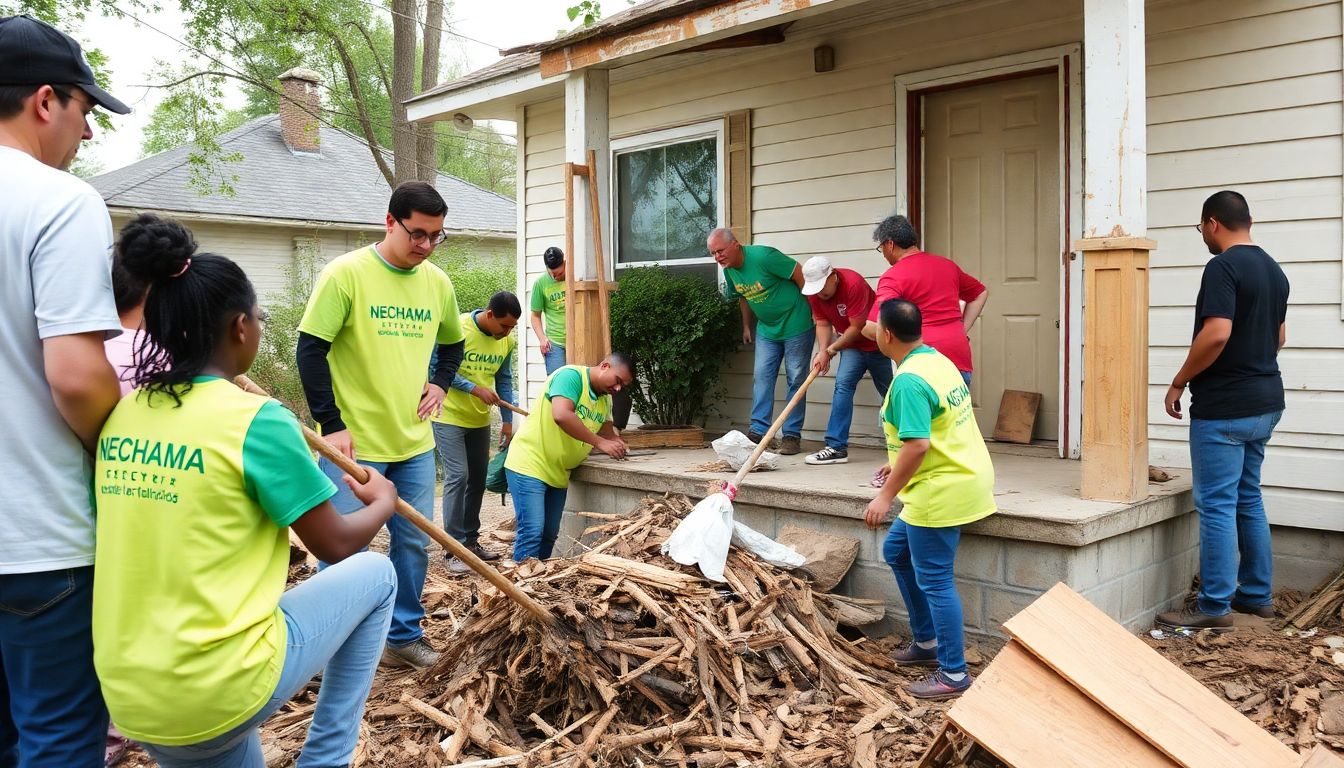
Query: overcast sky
{"points": [[132, 50]]}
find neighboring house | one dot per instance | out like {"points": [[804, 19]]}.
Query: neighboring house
{"points": [[300, 187], [802, 124]]}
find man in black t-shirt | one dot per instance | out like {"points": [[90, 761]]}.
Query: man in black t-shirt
{"points": [[1236, 399]]}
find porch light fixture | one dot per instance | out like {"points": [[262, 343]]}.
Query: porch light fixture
{"points": [[823, 59]]}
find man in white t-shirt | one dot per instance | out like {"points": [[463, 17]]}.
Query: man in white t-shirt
{"points": [[56, 309]]}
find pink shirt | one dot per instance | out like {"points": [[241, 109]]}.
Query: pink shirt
{"points": [[936, 285], [121, 354]]}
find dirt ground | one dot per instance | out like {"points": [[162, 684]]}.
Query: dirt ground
{"points": [[1290, 683]]}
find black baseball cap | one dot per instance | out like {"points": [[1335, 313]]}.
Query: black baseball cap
{"points": [[553, 257], [35, 53]]}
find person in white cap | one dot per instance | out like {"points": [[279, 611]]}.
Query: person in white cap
{"points": [[840, 301]]}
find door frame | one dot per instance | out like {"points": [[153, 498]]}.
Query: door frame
{"points": [[1066, 62]]}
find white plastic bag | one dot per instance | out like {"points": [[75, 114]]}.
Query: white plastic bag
{"points": [[766, 548], [702, 537], [735, 449]]}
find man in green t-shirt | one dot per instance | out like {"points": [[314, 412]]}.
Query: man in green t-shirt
{"points": [[548, 301], [375, 316], [462, 430], [938, 465], [768, 284]]}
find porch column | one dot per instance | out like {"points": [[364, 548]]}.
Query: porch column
{"points": [[587, 125], [1115, 253]]}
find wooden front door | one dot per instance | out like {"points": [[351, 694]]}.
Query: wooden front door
{"points": [[991, 203]]}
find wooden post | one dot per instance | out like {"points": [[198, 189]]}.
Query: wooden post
{"points": [[586, 129], [1115, 253]]}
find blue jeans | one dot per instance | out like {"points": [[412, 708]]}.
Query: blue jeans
{"points": [[51, 708], [407, 547], [966, 377], [537, 507], [465, 455], [336, 623], [1235, 559], [853, 364], [922, 559], [795, 353], [555, 359]]}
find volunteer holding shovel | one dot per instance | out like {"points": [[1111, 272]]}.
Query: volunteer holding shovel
{"points": [[940, 468]]}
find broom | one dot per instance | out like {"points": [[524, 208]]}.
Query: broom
{"points": [[703, 537]]}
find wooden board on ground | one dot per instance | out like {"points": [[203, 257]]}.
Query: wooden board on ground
{"points": [[1152, 696], [1017, 416], [1322, 757], [1052, 722], [672, 437], [829, 557]]}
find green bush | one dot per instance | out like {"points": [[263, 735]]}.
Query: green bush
{"points": [[679, 331], [275, 370]]}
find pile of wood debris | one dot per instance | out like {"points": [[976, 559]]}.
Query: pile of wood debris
{"points": [[658, 667]]}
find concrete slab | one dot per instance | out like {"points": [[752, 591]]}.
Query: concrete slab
{"points": [[1038, 496]]}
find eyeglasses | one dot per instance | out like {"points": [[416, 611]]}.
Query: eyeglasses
{"points": [[419, 236], [1200, 227], [881, 246], [85, 106]]}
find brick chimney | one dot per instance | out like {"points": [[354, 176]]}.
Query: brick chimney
{"points": [[299, 108]]}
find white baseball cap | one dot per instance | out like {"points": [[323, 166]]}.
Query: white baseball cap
{"points": [[815, 272]]}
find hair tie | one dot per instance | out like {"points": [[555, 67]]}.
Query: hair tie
{"points": [[183, 270]]}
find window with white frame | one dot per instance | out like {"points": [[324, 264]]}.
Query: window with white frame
{"points": [[667, 190]]}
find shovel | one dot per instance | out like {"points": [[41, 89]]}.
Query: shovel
{"points": [[457, 548], [704, 535]]}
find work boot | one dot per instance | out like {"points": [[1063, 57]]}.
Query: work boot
{"points": [[828, 455], [1193, 619], [914, 656], [756, 438], [1263, 611], [418, 655], [790, 446], [939, 686]]}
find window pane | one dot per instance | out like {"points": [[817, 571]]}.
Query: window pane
{"points": [[667, 201]]}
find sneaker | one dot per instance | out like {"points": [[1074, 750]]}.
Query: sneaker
{"points": [[790, 446], [939, 686], [914, 656], [418, 655], [458, 566], [828, 455], [1188, 619], [1263, 611]]}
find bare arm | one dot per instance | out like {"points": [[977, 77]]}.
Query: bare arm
{"points": [[907, 463], [331, 536], [83, 383], [973, 309], [797, 276], [1283, 336], [1206, 348], [870, 330], [541, 334], [850, 337], [562, 410], [747, 318]]}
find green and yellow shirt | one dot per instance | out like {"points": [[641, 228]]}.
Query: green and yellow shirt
{"points": [[383, 324], [192, 555], [765, 280], [929, 399], [548, 298], [482, 357], [541, 449]]}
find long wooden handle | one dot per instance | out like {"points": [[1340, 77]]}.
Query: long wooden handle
{"points": [[457, 548], [512, 407], [779, 422]]}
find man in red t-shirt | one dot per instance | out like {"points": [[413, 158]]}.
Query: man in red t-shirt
{"points": [[840, 301], [950, 300]]}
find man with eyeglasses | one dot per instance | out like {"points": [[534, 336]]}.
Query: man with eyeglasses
{"points": [[375, 316], [56, 310]]}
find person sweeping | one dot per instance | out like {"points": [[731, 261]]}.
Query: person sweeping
{"points": [[940, 468], [196, 643]]}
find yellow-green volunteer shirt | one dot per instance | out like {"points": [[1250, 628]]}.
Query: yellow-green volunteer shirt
{"points": [[548, 298], [192, 555], [383, 324], [482, 356], [955, 483], [541, 449]]}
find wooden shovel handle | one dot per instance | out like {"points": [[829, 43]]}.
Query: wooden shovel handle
{"points": [[457, 548], [779, 422], [512, 407]]}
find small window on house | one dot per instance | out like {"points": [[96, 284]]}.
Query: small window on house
{"points": [[668, 190]]}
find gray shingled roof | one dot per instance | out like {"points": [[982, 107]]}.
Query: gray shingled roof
{"points": [[342, 185]]}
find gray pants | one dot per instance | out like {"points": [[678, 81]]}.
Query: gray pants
{"points": [[465, 456]]}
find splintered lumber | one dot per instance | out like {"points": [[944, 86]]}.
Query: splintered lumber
{"points": [[1322, 605], [1147, 693], [1051, 723]]}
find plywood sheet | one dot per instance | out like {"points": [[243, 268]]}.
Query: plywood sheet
{"points": [[1017, 416], [1157, 700], [1051, 723], [1322, 757]]}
